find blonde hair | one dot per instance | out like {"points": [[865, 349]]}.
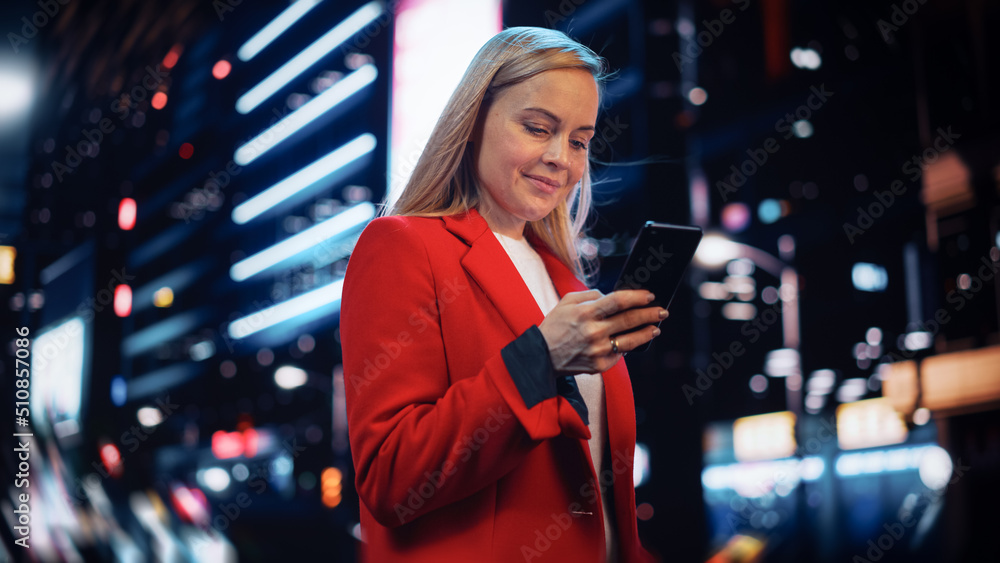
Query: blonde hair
{"points": [[444, 180]]}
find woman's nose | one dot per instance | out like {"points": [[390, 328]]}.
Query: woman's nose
{"points": [[557, 152]]}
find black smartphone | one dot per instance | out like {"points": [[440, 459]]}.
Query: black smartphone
{"points": [[657, 261]]}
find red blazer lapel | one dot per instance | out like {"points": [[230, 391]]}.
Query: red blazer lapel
{"points": [[488, 264]]}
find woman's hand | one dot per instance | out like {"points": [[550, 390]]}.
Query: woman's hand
{"points": [[578, 329]]}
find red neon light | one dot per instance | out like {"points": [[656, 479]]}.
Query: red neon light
{"points": [[250, 442], [112, 460], [226, 445], [123, 300], [126, 214], [171, 58], [221, 69]]}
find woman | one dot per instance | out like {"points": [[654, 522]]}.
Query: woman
{"points": [[490, 419]]}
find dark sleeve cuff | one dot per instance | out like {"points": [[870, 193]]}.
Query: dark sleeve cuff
{"points": [[567, 388], [527, 359], [530, 367]]}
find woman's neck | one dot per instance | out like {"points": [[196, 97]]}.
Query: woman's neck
{"points": [[501, 223]]}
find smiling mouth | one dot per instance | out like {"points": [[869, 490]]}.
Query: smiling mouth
{"points": [[551, 184]]}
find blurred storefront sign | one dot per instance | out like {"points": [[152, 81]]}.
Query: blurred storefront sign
{"points": [[966, 380]]}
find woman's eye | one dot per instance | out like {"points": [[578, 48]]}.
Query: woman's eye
{"points": [[535, 130], [579, 145]]}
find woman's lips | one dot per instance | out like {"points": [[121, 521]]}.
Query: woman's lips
{"points": [[544, 184]]}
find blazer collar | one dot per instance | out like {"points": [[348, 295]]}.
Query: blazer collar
{"points": [[488, 264]]}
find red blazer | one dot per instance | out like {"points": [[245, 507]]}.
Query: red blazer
{"points": [[450, 464]]}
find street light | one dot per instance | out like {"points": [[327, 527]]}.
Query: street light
{"points": [[716, 250]]}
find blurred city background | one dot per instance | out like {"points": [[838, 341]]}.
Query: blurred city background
{"points": [[182, 182]]}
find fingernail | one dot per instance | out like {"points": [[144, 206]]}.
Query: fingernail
{"points": [[656, 332], [663, 313], [650, 297]]}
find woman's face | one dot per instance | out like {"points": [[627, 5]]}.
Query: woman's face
{"points": [[531, 146]]}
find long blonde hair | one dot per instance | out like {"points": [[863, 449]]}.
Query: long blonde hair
{"points": [[444, 180]]}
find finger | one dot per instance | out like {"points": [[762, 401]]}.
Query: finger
{"points": [[582, 296], [622, 300], [632, 340], [632, 318]]}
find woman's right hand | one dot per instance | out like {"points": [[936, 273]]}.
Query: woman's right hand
{"points": [[578, 329]]}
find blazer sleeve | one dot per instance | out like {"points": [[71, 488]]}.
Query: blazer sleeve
{"points": [[410, 429]]}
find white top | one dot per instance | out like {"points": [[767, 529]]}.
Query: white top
{"points": [[529, 264]]}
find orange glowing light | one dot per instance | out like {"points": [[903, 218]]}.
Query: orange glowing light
{"points": [[331, 475], [7, 256]]}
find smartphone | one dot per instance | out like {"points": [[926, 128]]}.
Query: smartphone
{"points": [[657, 261]]}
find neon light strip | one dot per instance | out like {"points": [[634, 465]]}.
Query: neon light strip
{"points": [[328, 230], [305, 114], [308, 57], [305, 303], [304, 178], [273, 30]]}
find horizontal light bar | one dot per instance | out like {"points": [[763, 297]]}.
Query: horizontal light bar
{"points": [[305, 303], [164, 331], [150, 384], [309, 176], [301, 117], [177, 280], [757, 478], [328, 230], [273, 30], [308, 57], [881, 461]]}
